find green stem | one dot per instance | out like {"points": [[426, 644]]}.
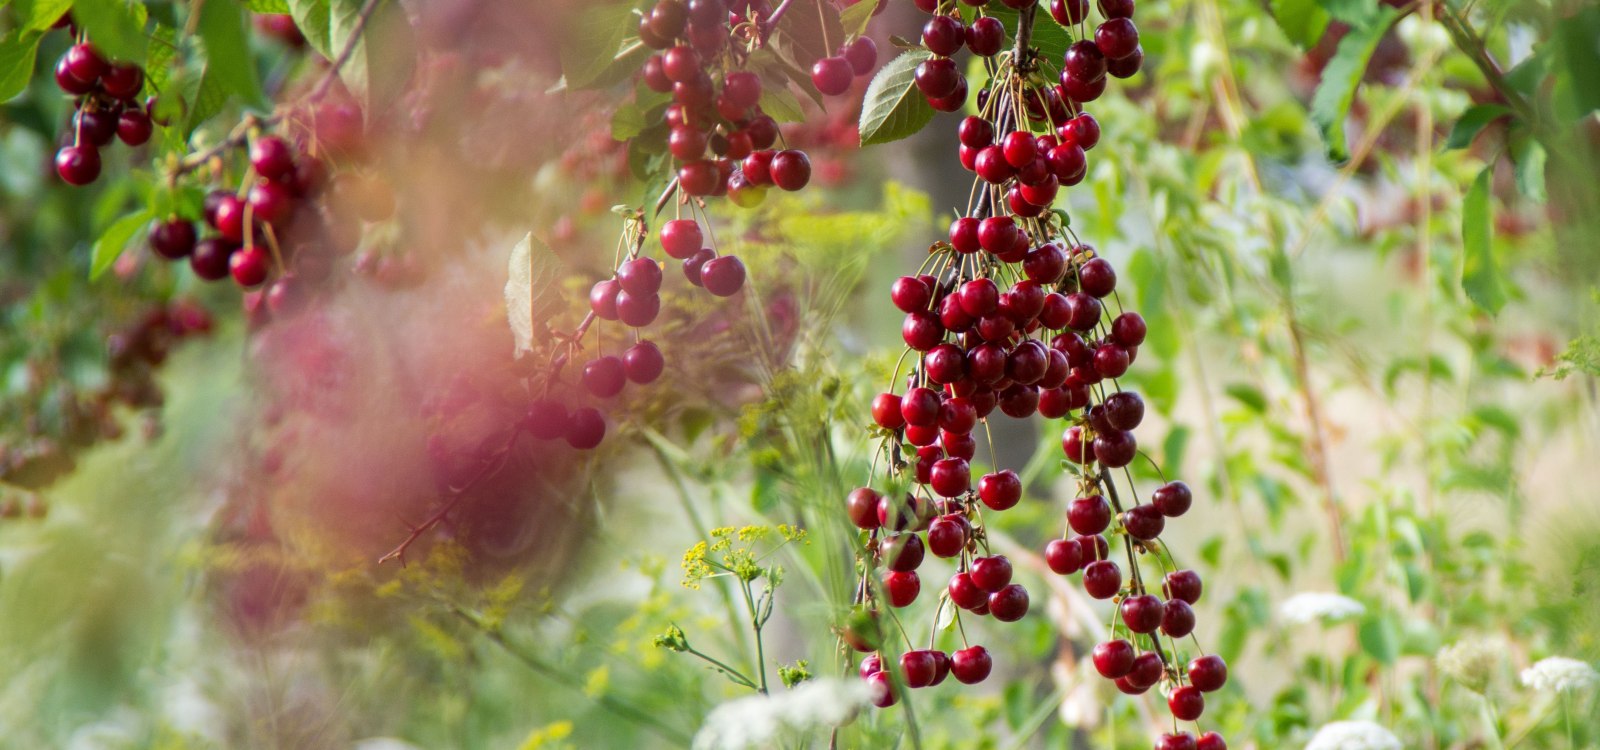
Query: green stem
{"points": [[738, 677]]}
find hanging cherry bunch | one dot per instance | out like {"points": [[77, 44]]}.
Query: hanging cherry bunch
{"points": [[106, 107], [1014, 313]]}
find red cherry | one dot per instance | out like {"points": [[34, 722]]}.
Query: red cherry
{"points": [[881, 690], [134, 127], [637, 310], [919, 668], [1128, 329], [975, 132], [603, 299], [971, 665], [1177, 620], [832, 75], [210, 258], [965, 593], [249, 266], [991, 573], [1000, 490], [1144, 522], [1182, 585], [1176, 741], [790, 169], [605, 376], [1147, 671], [1010, 603], [1211, 741], [1117, 38], [902, 587], [1142, 614], [1186, 703], [272, 157], [85, 63], [871, 665], [901, 552], [122, 81], [986, 36], [1089, 515], [947, 535], [1208, 673], [643, 362], [172, 239], [862, 507], [681, 238], [1102, 579], [862, 55], [722, 276], [78, 165], [1114, 659], [1064, 556]]}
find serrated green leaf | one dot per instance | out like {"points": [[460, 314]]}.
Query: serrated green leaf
{"points": [[39, 15], [595, 39], [781, 105], [1340, 78], [1302, 21], [1472, 122], [222, 34], [17, 52], [1480, 278], [312, 17], [117, 27], [855, 18], [893, 107], [530, 293], [382, 59], [158, 64], [1049, 37], [634, 117], [114, 240], [276, 7]]}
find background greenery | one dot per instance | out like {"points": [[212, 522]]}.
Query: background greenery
{"points": [[1364, 238]]}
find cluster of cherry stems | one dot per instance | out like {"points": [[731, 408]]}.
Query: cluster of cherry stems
{"points": [[1005, 281]]}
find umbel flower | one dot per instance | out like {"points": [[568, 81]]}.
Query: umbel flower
{"points": [[1312, 606], [1354, 735], [1470, 663], [1558, 674], [758, 720]]}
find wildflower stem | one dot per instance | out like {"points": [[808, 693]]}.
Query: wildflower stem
{"points": [[739, 678]]}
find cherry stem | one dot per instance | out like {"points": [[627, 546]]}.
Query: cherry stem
{"points": [[457, 494]]}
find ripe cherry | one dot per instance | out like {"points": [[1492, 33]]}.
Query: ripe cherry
{"points": [[603, 299], [1045, 264], [1064, 556], [270, 203], [1186, 703], [1172, 499], [975, 132], [172, 239], [951, 477], [986, 36], [862, 506], [1085, 311], [1147, 671], [1128, 329], [1208, 673], [901, 552], [1010, 603], [1085, 129], [1144, 522], [1113, 659], [871, 665], [1117, 38], [637, 310], [210, 258], [70, 83], [681, 238], [902, 587], [991, 573], [910, 294], [881, 690], [1142, 614], [1117, 8], [790, 169], [979, 297], [1126, 67], [640, 276], [1069, 12], [249, 266], [122, 81], [1211, 741], [605, 376], [97, 126], [1115, 448], [134, 127], [586, 428], [997, 234], [992, 166], [1000, 490], [965, 593], [862, 55], [272, 157], [1178, 619], [1102, 579], [643, 362], [919, 668], [85, 63], [943, 35], [1084, 61], [1077, 444], [947, 535], [1124, 410], [971, 665], [1182, 585], [832, 75], [722, 276], [78, 165], [1176, 741], [1089, 515], [886, 411], [921, 331]]}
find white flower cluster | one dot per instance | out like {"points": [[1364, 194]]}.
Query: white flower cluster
{"points": [[1354, 735], [1309, 607], [1471, 663], [1559, 674], [757, 721]]}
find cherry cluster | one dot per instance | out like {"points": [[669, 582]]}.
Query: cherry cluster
{"points": [[719, 136], [1013, 312], [855, 59], [271, 227], [106, 108]]}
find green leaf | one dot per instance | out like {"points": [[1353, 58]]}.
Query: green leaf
{"points": [[39, 15], [635, 117], [1340, 78], [117, 27], [312, 17], [158, 65], [1049, 37], [222, 33], [781, 105], [382, 59], [809, 33], [1380, 639], [1472, 122], [1575, 37], [1302, 21], [893, 107], [17, 52], [1480, 278], [114, 240], [208, 100], [1529, 157], [1352, 12], [1248, 395], [854, 19], [596, 37], [277, 7]]}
